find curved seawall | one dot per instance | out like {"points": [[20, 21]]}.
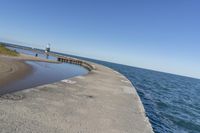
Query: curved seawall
{"points": [[103, 101]]}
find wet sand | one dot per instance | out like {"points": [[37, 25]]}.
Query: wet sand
{"points": [[11, 70], [14, 68]]}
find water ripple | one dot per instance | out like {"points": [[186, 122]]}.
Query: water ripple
{"points": [[171, 102]]}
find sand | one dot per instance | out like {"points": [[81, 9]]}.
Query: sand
{"points": [[15, 68], [12, 70]]}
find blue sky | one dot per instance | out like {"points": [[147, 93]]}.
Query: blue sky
{"points": [[162, 35]]}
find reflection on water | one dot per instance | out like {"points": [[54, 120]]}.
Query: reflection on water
{"points": [[43, 72]]}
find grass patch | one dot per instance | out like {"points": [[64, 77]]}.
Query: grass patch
{"points": [[6, 51]]}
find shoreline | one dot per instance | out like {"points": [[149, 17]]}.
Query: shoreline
{"points": [[15, 68], [12, 70], [101, 101]]}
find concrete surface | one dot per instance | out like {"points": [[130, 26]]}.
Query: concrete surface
{"points": [[103, 101]]}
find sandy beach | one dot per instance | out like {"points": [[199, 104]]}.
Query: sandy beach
{"points": [[11, 70], [14, 68]]}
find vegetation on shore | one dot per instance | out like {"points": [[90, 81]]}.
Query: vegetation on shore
{"points": [[6, 51]]}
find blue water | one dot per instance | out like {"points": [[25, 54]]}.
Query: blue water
{"points": [[42, 73], [172, 102], [32, 53]]}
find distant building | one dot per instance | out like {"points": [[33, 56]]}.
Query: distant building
{"points": [[47, 48]]}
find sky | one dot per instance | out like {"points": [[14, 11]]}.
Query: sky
{"points": [[162, 35]]}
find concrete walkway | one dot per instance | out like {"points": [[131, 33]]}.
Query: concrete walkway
{"points": [[103, 101]]}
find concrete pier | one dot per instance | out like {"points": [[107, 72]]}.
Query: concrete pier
{"points": [[103, 101], [75, 61]]}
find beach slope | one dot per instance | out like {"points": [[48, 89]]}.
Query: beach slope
{"points": [[12, 70]]}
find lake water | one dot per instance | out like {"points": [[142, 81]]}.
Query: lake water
{"points": [[43, 73], [172, 102]]}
